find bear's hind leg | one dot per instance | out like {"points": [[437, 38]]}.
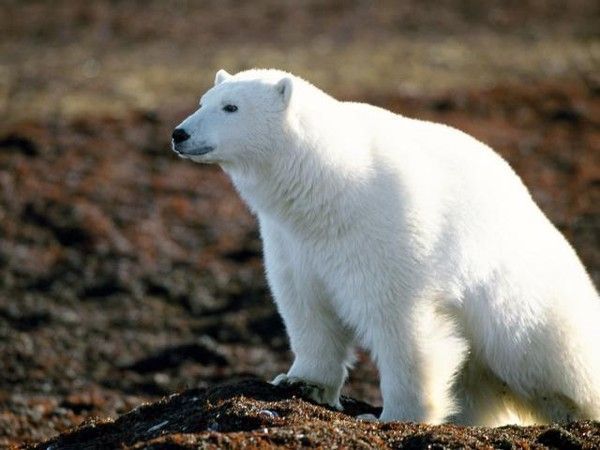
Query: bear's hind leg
{"points": [[485, 400], [547, 357], [570, 386], [418, 359]]}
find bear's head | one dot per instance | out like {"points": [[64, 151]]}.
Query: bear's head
{"points": [[237, 119]]}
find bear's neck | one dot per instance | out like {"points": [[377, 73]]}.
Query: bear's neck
{"points": [[309, 191]]}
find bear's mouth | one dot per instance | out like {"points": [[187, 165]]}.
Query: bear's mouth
{"points": [[194, 151]]}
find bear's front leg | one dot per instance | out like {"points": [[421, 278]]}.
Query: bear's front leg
{"points": [[322, 350], [322, 345]]}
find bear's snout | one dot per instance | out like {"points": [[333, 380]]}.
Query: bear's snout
{"points": [[179, 135]]}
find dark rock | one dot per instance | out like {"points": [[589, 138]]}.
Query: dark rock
{"points": [[25, 322], [443, 105], [204, 351], [20, 144], [103, 288], [560, 439], [60, 218], [566, 114]]}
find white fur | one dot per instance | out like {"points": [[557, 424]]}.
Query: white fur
{"points": [[414, 240]]}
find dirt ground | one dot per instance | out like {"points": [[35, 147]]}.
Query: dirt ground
{"points": [[254, 414], [127, 274]]}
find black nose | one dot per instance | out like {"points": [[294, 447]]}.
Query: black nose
{"points": [[179, 135]]}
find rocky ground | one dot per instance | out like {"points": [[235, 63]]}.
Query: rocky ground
{"points": [[127, 275], [254, 414]]}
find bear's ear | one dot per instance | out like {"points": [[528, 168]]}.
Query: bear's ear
{"points": [[284, 88], [221, 76]]}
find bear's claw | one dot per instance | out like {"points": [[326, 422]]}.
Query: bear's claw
{"points": [[323, 395], [368, 417]]}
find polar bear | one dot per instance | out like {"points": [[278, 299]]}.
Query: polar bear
{"points": [[411, 239]]}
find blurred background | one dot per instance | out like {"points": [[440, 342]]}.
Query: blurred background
{"points": [[127, 274]]}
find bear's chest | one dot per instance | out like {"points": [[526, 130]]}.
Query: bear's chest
{"points": [[351, 269]]}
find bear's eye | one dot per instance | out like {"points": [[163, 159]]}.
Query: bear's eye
{"points": [[230, 108]]}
